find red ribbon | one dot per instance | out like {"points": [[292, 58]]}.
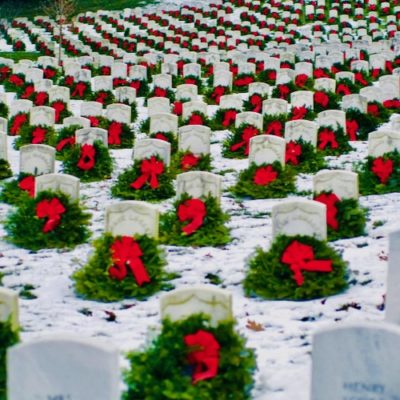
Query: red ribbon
{"points": [[217, 93], [358, 76], [373, 109], [204, 354], [52, 210], [150, 169], [321, 98], [293, 152], [330, 200], [274, 128], [101, 97], [126, 252], [38, 135], [265, 175], [352, 129], [193, 210], [256, 101], [29, 90], [245, 81], [114, 133], [195, 119], [301, 80], [65, 142], [247, 134], [178, 108], [105, 70], [49, 73], [298, 113], [343, 89], [87, 158], [4, 71], [69, 80], [375, 72], [136, 85], [229, 117], [80, 89], [284, 91], [59, 107], [160, 92], [383, 169], [41, 99], [161, 136], [94, 121], [19, 120], [326, 137], [189, 161], [391, 103], [28, 185], [16, 80], [300, 257]]}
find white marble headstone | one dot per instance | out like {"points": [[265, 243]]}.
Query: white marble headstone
{"points": [[199, 184], [67, 184], [37, 159], [145, 148], [342, 183]]}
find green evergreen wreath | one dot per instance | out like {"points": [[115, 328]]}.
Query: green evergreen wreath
{"points": [[213, 232], [206, 121], [65, 113], [26, 136], [93, 281], [162, 372], [341, 138], [122, 188], [5, 170], [4, 110], [17, 88], [107, 95], [102, 169], [17, 130], [367, 123], [127, 135], [371, 184], [351, 218], [333, 101], [282, 118], [216, 122], [143, 87], [193, 79], [66, 132], [24, 228], [8, 338], [279, 188], [235, 137], [11, 193], [203, 164], [310, 160], [144, 126], [169, 94], [270, 278]]}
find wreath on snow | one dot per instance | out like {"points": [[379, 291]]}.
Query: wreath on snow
{"points": [[122, 267], [303, 157], [195, 222], [296, 268], [35, 134], [237, 144], [178, 361], [333, 141], [50, 220]]}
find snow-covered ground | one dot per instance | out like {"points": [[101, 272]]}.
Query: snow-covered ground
{"points": [[283, 348]]}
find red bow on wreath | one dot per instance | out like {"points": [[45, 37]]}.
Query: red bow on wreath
{"points": [[19, 120], [229, 117], [343, 89], [358, 77], [52, 210], [38, 135], [274, 128], [178, 108], [247, 134], [256, 101], [265, 175], [94, 121], [114, 133], [204, 353], [193, 210], [101, 97], [383, 169], [293, 152], [41, 99], [160, 92], [29, 90], [352, 129], [87, 158], [126, 252], [80, 89], [65, 142], [298, 113], [217, 93], [28, 185], [195, 120], [284, 91], [330, 200], [136, 85], [16, 80], [150, 169], [321, 99], [326, 137], [59, 107], [300, 257], [373, 109], [189, 161], [301, 80]]}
